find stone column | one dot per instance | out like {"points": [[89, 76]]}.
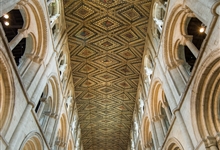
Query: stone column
{"points": [[187, 41], [159, 130], [22, 33], [18, 130]]}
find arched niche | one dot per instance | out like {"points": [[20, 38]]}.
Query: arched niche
{"points": [[61, 138], [160, 110], [158, 100], [206, 100], [54, 93], [6, 94], [158, 14], [148, 140], [32, 142], [54, 15]]}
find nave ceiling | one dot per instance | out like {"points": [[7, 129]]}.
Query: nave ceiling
{"points": [[106, 41]]}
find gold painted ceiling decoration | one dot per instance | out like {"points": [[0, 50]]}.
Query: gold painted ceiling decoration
{"points": [[106, 41]]}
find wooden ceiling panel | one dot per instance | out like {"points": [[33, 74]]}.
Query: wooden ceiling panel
{"points": [[106, 41]]}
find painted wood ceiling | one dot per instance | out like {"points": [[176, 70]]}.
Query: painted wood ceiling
{"points": [[106, 42]]}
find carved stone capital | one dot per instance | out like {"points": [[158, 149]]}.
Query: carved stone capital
{"points": [[210, 141], [186, 38]]}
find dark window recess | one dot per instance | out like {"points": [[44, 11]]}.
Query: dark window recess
{"points": [[38, 106], [158, 34], [15, 22], [18, 51], [54, 29], [198, 37]]}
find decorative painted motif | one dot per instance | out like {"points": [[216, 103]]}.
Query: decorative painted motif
{"points": [[107, 1]]}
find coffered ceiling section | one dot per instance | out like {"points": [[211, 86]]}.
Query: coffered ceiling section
{"points": [[106, 42]]}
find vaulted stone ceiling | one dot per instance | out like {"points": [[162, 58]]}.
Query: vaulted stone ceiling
{"points": [[106, 42]]}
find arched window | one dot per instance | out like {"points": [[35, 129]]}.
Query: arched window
{"points": [[192, 42], [26, 32], [159, 10], [40, 105], [47, 108], [13, 24], [61, 139], [160, 111], [164, 119], [148, 140], [54, 15]]}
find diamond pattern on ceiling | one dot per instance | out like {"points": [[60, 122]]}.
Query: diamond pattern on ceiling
{"points": [[106, 42]]}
